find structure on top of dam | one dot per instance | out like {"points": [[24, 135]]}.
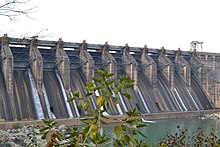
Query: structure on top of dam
{"points": [[36, 77]]}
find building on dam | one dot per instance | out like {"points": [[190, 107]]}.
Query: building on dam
{"points": [[36, 77]]}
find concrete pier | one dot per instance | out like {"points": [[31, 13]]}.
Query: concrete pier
{"points": [[36, 66], [197, 66], [88, 62], [166, 67], [183, 68], [130, 65], [149, 67], [7, 69], [63, 64], [112, 64]]}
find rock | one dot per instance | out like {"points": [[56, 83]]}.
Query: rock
{"points": [[17, 137], [212, 116]]}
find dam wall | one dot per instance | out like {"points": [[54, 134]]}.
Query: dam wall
{"points": [[165, 80]]}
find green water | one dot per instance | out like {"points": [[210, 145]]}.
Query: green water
{"points": [[158, 130]]}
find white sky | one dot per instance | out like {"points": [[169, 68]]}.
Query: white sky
{"points": [[168, 23]]}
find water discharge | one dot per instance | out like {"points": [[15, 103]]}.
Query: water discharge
{"points": [[36, 99], [181, 101], [50, 113], [75, 106], [64, 94], [181, 109], [122, 101], [145, 105], [193, 99], [119, 109]]}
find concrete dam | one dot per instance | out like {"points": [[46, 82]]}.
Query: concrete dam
{"points": [[36, 77]]}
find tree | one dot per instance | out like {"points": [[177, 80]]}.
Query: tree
{"points": [[12, 9]]}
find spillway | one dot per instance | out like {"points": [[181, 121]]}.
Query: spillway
{"points": [[55, 95], [4, 100], [170, 101], [187, 99], [36, 78], [200, 94], [23, 96], [77, 84], [148, 94]]}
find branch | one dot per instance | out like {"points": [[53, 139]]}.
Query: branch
{"points": [[11, 9]]}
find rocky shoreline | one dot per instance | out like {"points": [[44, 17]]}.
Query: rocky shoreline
{"points": [[18, 137], [211, 116]]}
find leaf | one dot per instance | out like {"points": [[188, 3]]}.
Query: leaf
{"points": [[70, 99], [127, 95], [43, 129], [118, 88], [95, 111], [88, 94], [118, 131], [96, 79], [109, 75], [100, 72], [126, 139], [105, 73], [89, 84], [86, 106], [43, 136], [59, 136], [79, 105], [76, 93], [100, 101], [141, 134], [49, 136]]}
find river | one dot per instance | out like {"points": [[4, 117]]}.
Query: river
{"points": [[160, 128]]}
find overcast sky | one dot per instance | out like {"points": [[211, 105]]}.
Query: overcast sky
{"points": [[169, 23]]}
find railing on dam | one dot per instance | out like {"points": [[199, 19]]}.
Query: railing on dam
{"points": [[165, 80]]}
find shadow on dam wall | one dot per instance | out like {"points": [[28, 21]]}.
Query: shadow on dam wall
{"points": [[43, 77], [4, 100]]}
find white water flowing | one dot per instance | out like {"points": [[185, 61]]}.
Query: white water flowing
{"points": [[118, 106], [64, 94], [104, 113], [177, 100], [119, 109], [122, 101], [75, 106], [193, 99], [36, 99], [50, 114], [180, 99], [142, 99], [93, 102]]}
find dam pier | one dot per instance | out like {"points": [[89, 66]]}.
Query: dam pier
{"points": [[36, 77]]}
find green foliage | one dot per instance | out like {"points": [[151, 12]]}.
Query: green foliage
{"points": [[198, 138], [90, 134], [127, 132]]}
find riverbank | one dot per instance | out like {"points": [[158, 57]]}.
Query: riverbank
{"points": [[4, 125]]}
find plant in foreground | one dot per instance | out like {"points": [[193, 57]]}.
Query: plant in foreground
{"points": [[90, 134], [126, 133]]}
